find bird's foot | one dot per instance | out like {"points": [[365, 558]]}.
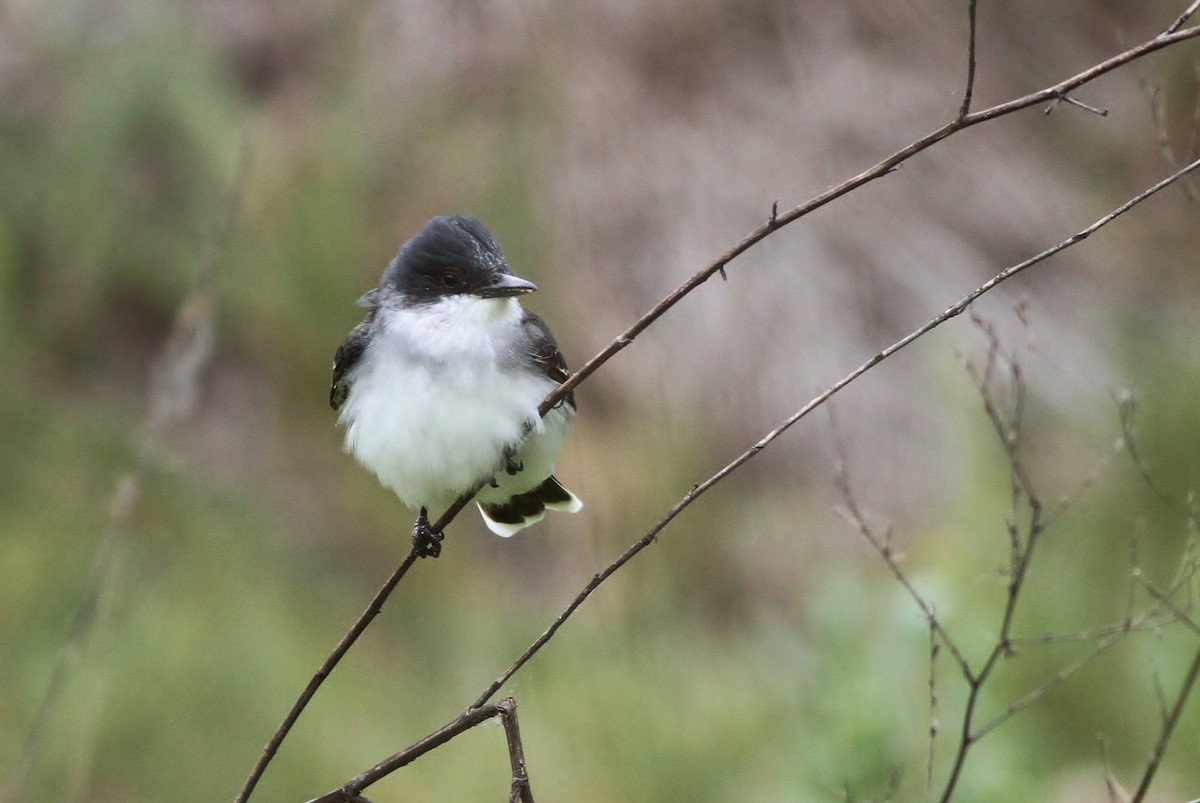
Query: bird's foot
{"points": [[426, 541]]}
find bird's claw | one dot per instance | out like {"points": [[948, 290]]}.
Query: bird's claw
{"points": [[426, 541]]}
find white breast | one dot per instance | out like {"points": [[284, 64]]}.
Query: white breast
{"points": [[432, 408]]}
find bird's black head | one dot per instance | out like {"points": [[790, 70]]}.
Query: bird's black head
{"points": [[452, 255]]}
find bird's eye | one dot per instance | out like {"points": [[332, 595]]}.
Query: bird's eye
{"points": [[451, 281]]}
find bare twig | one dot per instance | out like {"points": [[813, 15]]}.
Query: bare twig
{"points": [[965, 108], [1166, 599], [1168, 728], [934, 649], [520, 791], [1024, 537], [853, 513], [1025, 524], [1008, 430], [1183, 18], [1007, 427], [776, 221], [1165, 611], [700, 489], [1061, 676], [360, 624], [1127, 406], [506, 709], [1091, 633], [781, 219], [1066, 500], [1070, 101]]}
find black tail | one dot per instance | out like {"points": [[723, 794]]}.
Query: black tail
{"points": [[521, 510]]}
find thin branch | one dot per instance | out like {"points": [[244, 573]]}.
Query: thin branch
{"points": [[1160, 694], [1070, 101], [1127, 409], [934, 646], [373, 609], [1150, 618], [1008, 429], [700, 489], [1089, 634], [776, 221], [1135, 570], [1073, 495], [505, 709], [1168, 727], [1061, 676], [1009, 432], [965, 108], [883, 546], [781, 219], [1184, 17], [645, 541], [1165, 599], [1127, 405], [519, 792]]}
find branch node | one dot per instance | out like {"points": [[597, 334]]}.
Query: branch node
{"points": [[1063, 97]]}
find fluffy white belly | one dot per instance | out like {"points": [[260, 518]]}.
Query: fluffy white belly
{"points": [[433, 430]]}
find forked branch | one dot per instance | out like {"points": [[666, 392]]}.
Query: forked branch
{"points": [[964, 119], [698, 490], [506, 710]]}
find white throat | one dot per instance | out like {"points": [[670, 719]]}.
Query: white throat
{"points": [[460, 327]]}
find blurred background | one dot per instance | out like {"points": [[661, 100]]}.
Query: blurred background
{"points": [[761, 650]]}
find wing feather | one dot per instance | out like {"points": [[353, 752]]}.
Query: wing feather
{"points": [[345, 360], [545, 353]]}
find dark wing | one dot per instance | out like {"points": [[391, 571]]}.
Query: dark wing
{"points": [[544, 352], [347, 356]]}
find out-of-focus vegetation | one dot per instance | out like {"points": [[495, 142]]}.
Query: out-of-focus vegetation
{"points": [[760, 650]]}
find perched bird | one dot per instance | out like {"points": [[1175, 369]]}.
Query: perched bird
{"points": [[439, 386]]}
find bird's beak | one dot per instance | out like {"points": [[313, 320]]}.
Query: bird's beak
{"points": [[505, 284]]}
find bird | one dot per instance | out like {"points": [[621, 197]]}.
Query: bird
{"points": [[438, 387]]}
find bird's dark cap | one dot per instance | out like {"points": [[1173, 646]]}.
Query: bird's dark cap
{"points": [[456, 240]]}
